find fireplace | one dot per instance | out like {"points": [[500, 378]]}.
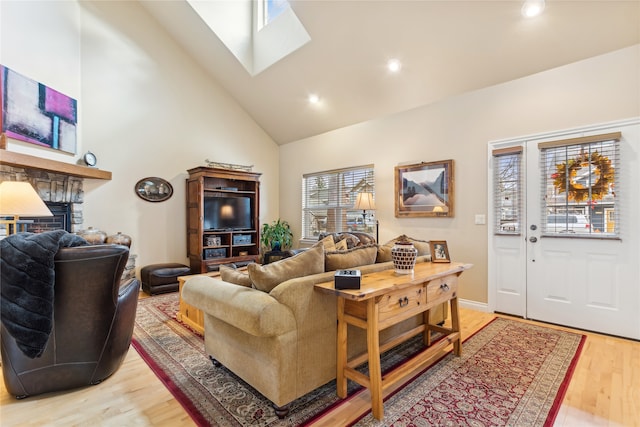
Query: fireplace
{"points": [[60, 187], [62, 193], [61, 219]]}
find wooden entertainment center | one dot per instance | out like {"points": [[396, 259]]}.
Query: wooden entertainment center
{"points": [[223, 211]]}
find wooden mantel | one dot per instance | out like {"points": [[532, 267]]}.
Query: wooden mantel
{"points": [[20, 160]]}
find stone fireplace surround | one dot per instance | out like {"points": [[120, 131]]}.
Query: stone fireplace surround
{"points": [[52, 187], [59, 188]]}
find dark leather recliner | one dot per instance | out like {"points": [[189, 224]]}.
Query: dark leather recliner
{"points": [[93, 323]]}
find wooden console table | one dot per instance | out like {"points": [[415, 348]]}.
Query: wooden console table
{"points": [[384, 299]]}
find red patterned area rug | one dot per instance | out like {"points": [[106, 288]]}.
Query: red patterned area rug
{"points": [[511, 373], [214, 396]]}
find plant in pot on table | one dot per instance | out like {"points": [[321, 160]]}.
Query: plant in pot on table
{"points": [[276, 238]]}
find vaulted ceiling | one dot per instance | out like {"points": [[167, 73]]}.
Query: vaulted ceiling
{"points": [[446, 48]]}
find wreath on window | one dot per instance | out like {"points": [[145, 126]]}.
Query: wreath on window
{"points": [[600, 167]]}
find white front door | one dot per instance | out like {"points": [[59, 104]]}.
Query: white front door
{"points": [[563, 266]]}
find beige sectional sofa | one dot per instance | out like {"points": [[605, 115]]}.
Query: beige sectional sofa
{"points": [[272, 329]]}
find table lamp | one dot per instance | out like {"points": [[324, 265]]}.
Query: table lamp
{"points": [[19, 198], [365, 202]]}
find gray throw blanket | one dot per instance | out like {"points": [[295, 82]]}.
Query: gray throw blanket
{"points": [[28, 278]]}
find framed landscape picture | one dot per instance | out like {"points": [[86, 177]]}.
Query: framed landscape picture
{"points": [[424, 189]]}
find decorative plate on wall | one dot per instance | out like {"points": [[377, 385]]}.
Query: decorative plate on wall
{"points": [[153, 189]]}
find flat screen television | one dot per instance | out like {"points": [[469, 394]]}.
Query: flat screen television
{"points": [[227, 213]]}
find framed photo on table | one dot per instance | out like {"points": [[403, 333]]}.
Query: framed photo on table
{"points": [[424, 189], [439, 251]]}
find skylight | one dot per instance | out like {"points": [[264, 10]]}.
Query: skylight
{"points": [[256, 48], [273, 9]]}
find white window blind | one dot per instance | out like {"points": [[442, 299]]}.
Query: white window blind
{"points": [[579, 183], [507, 190], [328, 200]]}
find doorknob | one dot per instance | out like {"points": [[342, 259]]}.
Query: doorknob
{"points": [[533, 239]]}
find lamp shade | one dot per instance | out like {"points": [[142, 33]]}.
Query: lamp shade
{"points": [[20, 199], [365, 202]]}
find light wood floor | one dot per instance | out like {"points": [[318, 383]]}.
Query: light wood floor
{"points": [[604, 391]]}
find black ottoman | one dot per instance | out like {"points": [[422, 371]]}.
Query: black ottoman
{"points": [[161, 278]]}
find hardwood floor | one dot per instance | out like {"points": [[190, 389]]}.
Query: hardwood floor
{"points": [[604, 391]]}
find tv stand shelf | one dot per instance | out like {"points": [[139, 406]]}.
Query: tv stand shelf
{"points": [[210, 192], [210, 243]]}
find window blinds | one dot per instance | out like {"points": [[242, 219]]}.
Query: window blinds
{"points": [[328, 200], [579, 186], [507, 190]]}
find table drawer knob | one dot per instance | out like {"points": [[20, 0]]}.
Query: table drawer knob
{"points": [[403, 301], [444, 287]]}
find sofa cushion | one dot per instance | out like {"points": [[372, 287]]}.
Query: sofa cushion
{"points": [[384, 251], [356, 257], [251, 311], [267, 277], [231, 275]]}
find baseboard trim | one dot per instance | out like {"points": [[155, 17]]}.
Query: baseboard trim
{"points": [[474, 305]]}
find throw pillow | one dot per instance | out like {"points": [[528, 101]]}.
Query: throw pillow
{"points": [[365, 238], [328, 243], [341, 260], [352, 241], [384, 253], [421, 245], [267, 277], [340, 246], [231, 275]]}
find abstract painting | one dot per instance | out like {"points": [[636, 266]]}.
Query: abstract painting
{"points": [[35, 113]]}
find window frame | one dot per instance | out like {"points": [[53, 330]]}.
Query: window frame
{"points": [[508, 224], [336, 201], [561, 165]]}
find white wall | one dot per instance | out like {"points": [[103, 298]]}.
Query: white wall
{"points": [[151, 111], [596, 90], [146, 109], [40, 40]]}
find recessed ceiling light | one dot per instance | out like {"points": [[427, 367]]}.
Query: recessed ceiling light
{"points": [[532, 8], [314, 99], [394, 65]]}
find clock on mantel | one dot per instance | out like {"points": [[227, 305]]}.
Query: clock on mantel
{"points": [[90, 159], [20, 160]]}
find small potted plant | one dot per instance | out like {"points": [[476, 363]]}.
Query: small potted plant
{"points": [[276, 236]]}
